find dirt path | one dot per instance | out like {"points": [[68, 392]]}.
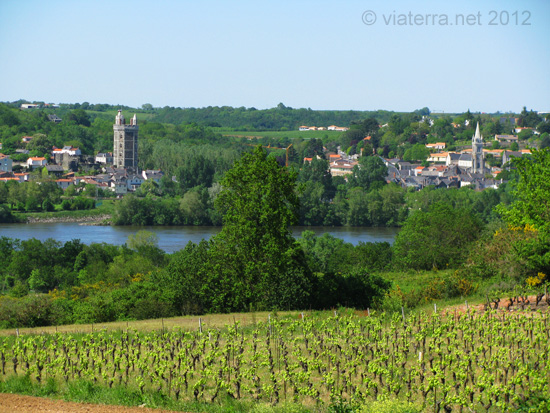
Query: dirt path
{"points": [[14, 403], [461, 309]]}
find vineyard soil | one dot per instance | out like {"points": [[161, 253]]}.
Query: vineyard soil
{"points": [[13, 403]]}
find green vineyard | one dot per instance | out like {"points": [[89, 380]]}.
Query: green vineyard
{"points": [[472, 361]]}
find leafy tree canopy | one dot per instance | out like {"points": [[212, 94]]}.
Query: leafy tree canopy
{"points": [[532, 193], [255, 253]]}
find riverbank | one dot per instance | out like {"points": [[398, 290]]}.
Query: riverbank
{"points": [[103, 219], [100, 215]]}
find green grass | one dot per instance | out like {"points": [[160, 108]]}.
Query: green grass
{"points": [[413, 280], [85, 391], [187, 323]]}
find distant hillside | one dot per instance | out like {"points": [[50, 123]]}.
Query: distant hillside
{"points": [[251, 119]]}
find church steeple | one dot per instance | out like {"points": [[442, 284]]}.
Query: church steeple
{"points": [[477, 137], [477, 152]]}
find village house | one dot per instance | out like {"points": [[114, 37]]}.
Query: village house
{"points": [[56, 170], [36, 162], [119, 185], [155, 175], [104, 157], [506, 138], [452, 158], [134, 182], [437, 146], [22, 176], [341, 167], [5, 163], [29, 106], [521, 129], [438, 157], [337, 128], [508, 155], [64, 183]]}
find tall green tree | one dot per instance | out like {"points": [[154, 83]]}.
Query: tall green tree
{"points": [[255, 256], [532, 193]]}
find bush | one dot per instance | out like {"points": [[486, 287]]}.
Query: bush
{"points": [[33, 310], [5, 215]]}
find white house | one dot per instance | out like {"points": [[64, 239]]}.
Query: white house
{"points": [[106, 157], [438, 157], [341, 168], [29, 106], [337, 128], [437, 146], [36, 162]]}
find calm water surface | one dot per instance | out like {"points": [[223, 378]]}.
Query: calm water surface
{"points": [[170, 238]]}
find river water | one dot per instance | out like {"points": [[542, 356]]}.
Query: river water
{"points": [[170, 238]]}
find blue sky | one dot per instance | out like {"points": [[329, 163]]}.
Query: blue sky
{"points": [[316, 54]]}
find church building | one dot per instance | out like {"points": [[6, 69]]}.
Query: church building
{"points": [[478, 165], [125, 145]]}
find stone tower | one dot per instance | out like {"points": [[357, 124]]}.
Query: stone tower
{"points": [[125, 145], [477, 152]]}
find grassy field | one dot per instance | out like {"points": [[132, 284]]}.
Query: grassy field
{"points": [[186, 323]]}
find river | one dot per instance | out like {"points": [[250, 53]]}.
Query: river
{"points": [[170, 238]]}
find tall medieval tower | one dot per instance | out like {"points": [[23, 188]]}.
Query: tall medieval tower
{"points": [[125, 146], [477, 152]]}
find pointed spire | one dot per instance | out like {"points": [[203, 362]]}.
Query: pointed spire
{"points": [[477, 136]]}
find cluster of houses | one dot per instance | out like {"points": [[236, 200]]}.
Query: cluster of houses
{"points": [[447, 169], [120, 172], [331, 127], [118, 180]]}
